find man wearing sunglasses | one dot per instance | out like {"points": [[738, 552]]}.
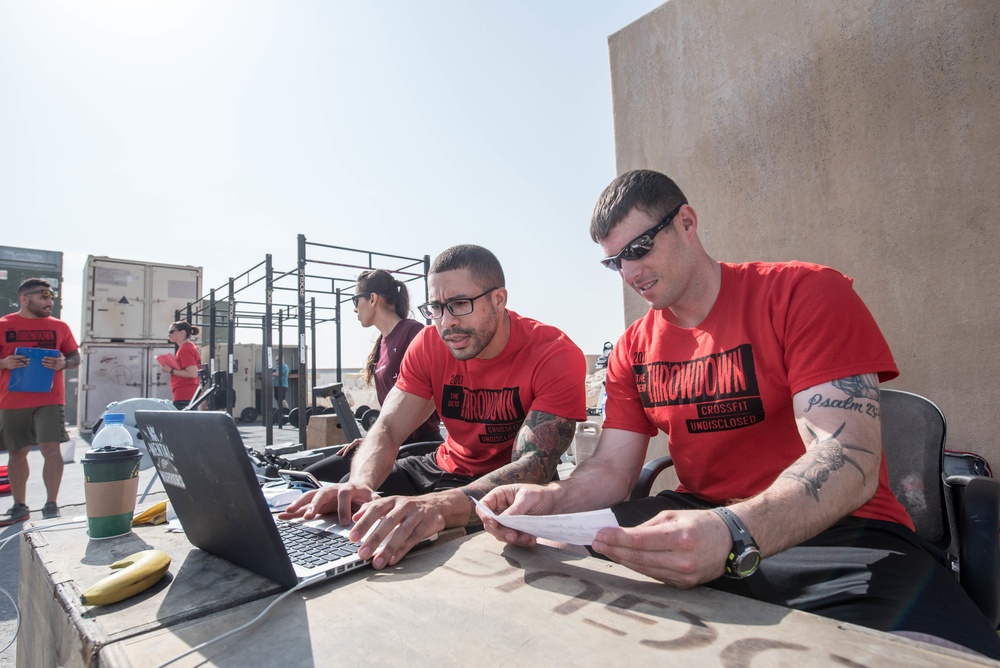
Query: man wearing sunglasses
{"points": [[765, 377], [34, 418], [508, 389]]}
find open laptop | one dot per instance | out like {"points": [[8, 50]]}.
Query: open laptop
{"points": [[212, 487]]}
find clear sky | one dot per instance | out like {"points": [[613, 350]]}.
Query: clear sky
{"points": [[210, 132]]}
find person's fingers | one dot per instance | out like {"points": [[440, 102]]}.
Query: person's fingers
{"points": [[371, 527], [345, 504], [297, 507], [508, 535]]}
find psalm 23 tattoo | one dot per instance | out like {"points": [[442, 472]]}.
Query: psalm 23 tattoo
{"points": [[864, 387]]}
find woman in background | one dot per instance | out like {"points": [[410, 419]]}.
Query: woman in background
{"points": [[184, 379], [383, 302]]}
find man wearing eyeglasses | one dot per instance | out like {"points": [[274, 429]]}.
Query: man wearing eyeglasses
{"points": [[509, 390], [765, 377], [30, 418]]}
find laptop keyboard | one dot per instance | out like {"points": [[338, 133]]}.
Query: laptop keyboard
{"points": [[312, 548]]}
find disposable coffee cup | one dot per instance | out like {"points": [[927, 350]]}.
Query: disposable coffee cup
{"points": [[111, 481]]}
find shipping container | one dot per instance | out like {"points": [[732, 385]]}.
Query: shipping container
{"points": [[247, 381], [131, 301], [17, 264], [116, 372]]}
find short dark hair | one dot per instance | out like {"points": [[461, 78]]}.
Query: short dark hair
{"points": [[481, 263], [651, 192], [30, 284]]}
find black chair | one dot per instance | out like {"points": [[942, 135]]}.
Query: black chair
{"points": [[964, 507]]}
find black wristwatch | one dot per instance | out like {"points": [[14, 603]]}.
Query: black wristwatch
{"points": [[744, 556]]}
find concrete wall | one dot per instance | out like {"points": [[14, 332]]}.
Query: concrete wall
{"points": [[861, 134]]}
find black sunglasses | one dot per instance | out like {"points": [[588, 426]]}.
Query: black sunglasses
{"points": [[357, 298], [641, 245]]}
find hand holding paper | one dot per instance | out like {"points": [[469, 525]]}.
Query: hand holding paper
{"points": [[572, 528]]}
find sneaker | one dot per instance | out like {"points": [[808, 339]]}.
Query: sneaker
{"points": [[17, 513], [50, 511]]}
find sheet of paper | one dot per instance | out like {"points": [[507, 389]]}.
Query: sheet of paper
{"points": [[572, 528]]}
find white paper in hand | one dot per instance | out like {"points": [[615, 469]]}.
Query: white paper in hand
{"points": [[572, 528]]}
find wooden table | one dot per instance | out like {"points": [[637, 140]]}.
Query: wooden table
{"points": [[470, 601]]}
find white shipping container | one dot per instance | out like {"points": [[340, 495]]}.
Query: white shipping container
{"points": [[115, 372], [125, 300], [171, 290], [247, 378]]}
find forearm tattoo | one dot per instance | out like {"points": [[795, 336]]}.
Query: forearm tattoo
{"points": [[862, 396], [825, 456], [540, 443]]}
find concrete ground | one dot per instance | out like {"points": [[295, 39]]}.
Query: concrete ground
{"points": [[72, 503]]}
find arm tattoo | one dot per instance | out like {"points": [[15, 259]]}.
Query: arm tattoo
{"points": [[826, 456], [539, 444], [864, 387]]}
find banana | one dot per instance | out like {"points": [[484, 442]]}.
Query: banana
{"points": [[155, 514], [139, 572]]}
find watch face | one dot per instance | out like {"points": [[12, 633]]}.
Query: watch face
{"points": [[746, 563]]}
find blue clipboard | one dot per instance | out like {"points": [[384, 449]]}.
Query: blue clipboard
{"points": [[35, 377]]}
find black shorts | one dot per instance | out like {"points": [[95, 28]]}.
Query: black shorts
{"points": [[410, 476], [867, 572]]}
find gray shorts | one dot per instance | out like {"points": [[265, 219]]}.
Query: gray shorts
{"points": [[22, 427]]}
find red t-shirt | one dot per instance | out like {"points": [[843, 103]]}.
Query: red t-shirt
{"points": [[183, 389], [18, 332], [722, 391], [483, 403]]}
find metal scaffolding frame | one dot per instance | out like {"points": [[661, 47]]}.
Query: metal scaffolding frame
{"points": [[251, 314]]}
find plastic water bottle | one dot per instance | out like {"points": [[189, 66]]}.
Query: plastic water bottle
{"points": [[112, 433]]}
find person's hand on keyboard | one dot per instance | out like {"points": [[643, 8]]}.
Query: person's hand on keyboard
{"points": [[392, 526], [343, 499]]}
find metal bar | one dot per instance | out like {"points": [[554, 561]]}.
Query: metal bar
{"points": [[302, 338]]}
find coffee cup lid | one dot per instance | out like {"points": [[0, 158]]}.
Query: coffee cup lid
{"points": [[112, 452]]}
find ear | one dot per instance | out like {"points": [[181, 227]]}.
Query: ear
{"points": [[500, 298], [687, 220]]}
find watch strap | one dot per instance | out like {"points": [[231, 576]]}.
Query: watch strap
{"points": [[736, 527], [743, 542]]}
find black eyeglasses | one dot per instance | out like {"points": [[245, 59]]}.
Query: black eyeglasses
{"points": [[641, 245], [357, 298], [463, 306], [46, 293], [171, 331]]}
